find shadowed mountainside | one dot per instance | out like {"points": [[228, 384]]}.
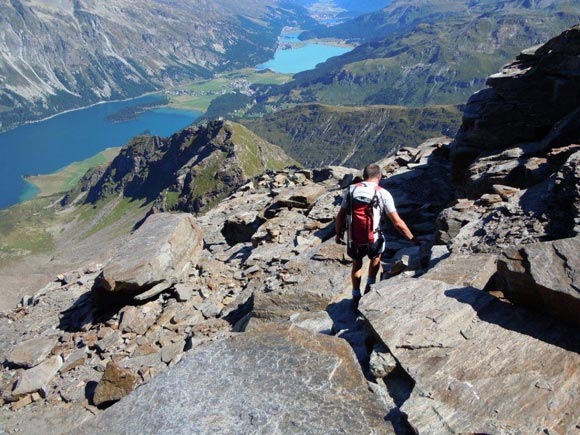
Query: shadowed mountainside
{"points": [[58, 55]]}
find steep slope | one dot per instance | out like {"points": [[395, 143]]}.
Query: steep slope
{"points": [[188, 171], [424, 52], [318, 135], [57, 55]]}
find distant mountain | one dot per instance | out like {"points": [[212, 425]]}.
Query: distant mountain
{"points": [[318, 135], [400, 16], [188, 171], [350, 7], [57, 55], [424, 52]]}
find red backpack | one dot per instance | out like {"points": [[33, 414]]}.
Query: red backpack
{"points": [[360, 216]]}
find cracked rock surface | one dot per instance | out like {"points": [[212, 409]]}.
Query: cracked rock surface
{"points": [[275, 380], [480, 364]]}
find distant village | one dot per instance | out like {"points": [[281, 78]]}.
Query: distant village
{"points": [[236, 85]]}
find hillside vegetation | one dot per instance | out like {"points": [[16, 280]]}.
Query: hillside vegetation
{"points": [[424, 52], [317, 134]]}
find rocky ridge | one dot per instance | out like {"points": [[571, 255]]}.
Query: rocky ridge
{"points": [[438, 341], [189, 171]]}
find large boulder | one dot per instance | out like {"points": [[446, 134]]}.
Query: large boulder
{"points": [[162, 250], [480, 365], [544, 276], [272, 381]]}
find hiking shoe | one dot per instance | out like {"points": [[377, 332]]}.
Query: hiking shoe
{"points": [[368, 288]]}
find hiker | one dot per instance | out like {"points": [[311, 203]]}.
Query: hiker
{"points": [[363, 206]]}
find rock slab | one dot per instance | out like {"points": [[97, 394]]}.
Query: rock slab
{"points": [[162, 249], [32, 380], [273, 381], [30, 352], [480, 365], [544, 276]]}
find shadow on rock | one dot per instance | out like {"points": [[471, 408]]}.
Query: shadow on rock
{"points": [[518, 319], [349, 325], [82, 314]]}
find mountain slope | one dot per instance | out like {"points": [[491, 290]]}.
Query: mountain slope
{"points": [[427, 52], [56, 55], [188, 171], [318, 135]]}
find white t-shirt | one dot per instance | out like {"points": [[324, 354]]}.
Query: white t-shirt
{"points": [[368, 189]]}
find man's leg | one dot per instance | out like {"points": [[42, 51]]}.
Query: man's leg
{"points": [[355, 276], [374, 266]]}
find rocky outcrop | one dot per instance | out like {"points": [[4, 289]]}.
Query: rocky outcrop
{"points": [[544, 276], [275, 380], [159, 254], [518, 131], [189, 171], [479, 365]]}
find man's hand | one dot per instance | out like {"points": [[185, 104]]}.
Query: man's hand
{"points": [[338, 238]]}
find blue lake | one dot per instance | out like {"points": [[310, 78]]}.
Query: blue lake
{"points": [[46, 146], [49, 145], [295, 60]]}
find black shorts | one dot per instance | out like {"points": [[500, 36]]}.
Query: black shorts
{"points": [[371, 250]]}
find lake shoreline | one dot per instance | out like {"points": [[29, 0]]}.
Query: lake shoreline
{"points": [[45, 147], [64, 112]]}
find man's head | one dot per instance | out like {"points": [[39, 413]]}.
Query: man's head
{"points": [[372, 172]]}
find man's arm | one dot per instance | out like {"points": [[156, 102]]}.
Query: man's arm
{"points": [[339, 224], [401, 226]]}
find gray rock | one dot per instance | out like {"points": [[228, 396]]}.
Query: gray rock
{"points": [[156, 290], [162, 249], [302, 197], [108, 343], [30, 352], [75, 359], [545, 276], [275, 381], [172, 351], [183, 292], [381, 362], [281, 229], [335, 174], [316, 321], [241, 227], [530, 108], [438, 253], [485, 382], [326, 206], [144, 361], [140, 318], [474, 270], [32, 380]]}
